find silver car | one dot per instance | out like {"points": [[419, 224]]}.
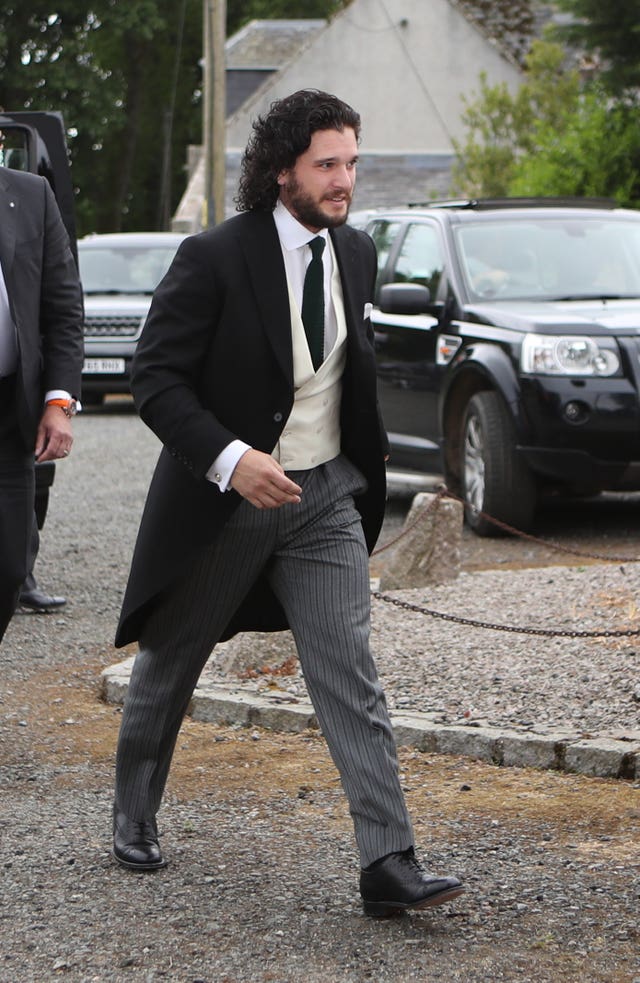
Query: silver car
{"points": [[119, 272]]}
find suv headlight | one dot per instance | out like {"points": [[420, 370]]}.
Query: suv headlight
{"points": [[569, 355]]}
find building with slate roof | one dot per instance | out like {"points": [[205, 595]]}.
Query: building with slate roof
{"points": [[405, 65]]}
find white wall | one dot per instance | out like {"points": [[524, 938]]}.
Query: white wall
{"points": [[405, 79]]}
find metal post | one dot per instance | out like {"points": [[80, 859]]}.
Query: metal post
{"points": [[219, 109], [207, 113]]}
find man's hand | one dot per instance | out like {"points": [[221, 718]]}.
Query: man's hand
{"points": [[262, 481], [54, 438]]}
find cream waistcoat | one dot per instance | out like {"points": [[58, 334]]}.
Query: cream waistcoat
{"points": [[312, 433]]}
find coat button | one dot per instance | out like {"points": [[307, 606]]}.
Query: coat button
{"points": [[277, 417]]}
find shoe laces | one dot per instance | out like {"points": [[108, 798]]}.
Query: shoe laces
{"points": [[410, 860], [144, 829]]}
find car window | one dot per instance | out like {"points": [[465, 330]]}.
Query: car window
{"points": [[550, 258], [120, 269], [13, 149], [383, 234], [420, 258]]}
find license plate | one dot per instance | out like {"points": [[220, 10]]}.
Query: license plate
{"points": [[103, 366]]}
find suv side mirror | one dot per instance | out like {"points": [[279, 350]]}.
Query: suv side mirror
{"points": [[404, 298]]}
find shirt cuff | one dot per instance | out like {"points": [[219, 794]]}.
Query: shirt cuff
{"points": [[224, 465], [57, 394], [60, 394]]}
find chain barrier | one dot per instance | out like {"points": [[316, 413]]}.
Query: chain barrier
{"points": [[433, 505], [515, 629], [422, 514], [546, 542]]}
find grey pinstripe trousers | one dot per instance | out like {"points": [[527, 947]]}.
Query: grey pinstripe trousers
{"points": [[317, 563]]}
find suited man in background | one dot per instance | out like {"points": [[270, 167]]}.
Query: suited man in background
{"points": [[256, 369], [41, 354], [31, 596]]}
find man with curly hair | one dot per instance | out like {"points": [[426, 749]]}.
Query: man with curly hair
{"points": [[270, 488]]}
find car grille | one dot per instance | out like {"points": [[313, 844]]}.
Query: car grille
{"points": [[125, 326]]}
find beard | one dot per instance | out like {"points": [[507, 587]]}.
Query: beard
{"points": [[310, 212]]}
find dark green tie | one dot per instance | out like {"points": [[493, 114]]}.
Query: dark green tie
{"points": [[313, 302]]}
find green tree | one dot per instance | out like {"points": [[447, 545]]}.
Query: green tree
{"points": [[610, 31], [110, 68], [127, 76], [151, 51], [39, 49], [502, 126], [549, 138], [595, 154]]}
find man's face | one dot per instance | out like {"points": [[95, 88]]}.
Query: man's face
{"points": [[317, 190]]}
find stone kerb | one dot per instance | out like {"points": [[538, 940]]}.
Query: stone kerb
{"points": [[234, 705]]}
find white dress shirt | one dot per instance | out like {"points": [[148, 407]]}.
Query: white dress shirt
{"points": [[294, 242], [8, 337], [9, 343]]}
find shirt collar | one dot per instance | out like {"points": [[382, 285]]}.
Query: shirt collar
{"points": [[292, 233]]}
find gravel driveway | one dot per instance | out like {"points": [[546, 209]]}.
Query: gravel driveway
{"points": [[262, 884]]}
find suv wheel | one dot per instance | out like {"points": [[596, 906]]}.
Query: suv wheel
{"points": [[494, 479]]}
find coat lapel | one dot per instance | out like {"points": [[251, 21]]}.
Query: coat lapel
{"points": [[346, 252], [8, 214], [269, 284], [268, 280]]}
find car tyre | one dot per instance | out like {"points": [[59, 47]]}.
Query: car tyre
{"points": [[494, 479]]}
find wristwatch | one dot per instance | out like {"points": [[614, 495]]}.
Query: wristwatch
{"points": [[68, 406]]}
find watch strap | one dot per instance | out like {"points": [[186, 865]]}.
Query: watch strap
{"points": [[68, 406]]}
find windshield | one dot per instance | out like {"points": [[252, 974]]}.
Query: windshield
{"points": [[14, 152], [123, 269], [550, 258]]}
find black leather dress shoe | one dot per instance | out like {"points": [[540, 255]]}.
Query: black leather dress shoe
{"points": [[397, 883], [135, 845], [37, 600]]}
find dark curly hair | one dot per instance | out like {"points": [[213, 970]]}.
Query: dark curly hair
{"points": [[281, 136]]}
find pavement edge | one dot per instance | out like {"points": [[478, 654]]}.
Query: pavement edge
{"points": [[597, 757]]}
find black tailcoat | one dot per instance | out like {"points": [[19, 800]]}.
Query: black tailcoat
{"points": [[215, 363]]}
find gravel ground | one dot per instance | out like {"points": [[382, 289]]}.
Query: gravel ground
{"points": [[482, 677], [262, 884]]}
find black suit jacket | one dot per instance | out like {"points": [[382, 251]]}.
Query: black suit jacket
{"points": [[44, 292], [215, 363]]}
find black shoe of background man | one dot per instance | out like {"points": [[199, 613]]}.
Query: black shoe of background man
{"points": [[398, 883], [37, 600], [135, 844]]}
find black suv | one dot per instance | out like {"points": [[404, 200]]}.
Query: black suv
{"points": [[508, 348]]}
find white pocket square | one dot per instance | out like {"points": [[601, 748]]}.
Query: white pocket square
{"points": [[368, 308]]}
